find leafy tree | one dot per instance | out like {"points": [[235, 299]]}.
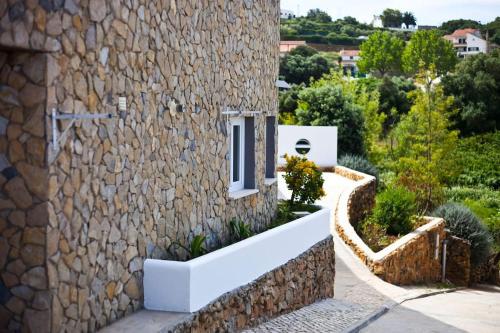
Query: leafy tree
{"points": [[391, 18], [394, 100], [381, 53], [476, 87], [299, 69], [328, 105], [303, 50], [493, 30], [427, 49], [319, 15], [449, 27], [424, 141], [288, 103], [409, 19]]}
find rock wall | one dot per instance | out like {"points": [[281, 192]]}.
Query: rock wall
{"points": [[362, 198], [297, 283], [412, 259], [415, 261], [458, 267], [24, 299], [117, 191]]}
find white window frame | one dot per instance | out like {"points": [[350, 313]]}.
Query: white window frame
{"points": [[240, 184]]}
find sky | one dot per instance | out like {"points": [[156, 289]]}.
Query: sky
{"points": [[427, 12]]}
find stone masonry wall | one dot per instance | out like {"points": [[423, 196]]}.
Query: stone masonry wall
{"points": [[415, 261], [24, 299], [123, 189], [458, 267], [299, 282], [362, 199], [412, 262]]}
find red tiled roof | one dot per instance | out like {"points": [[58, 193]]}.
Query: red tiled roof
{"points": [[463, 32], [349, 53]]}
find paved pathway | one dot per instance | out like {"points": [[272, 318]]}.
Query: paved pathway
{"points": [[354, 298]]}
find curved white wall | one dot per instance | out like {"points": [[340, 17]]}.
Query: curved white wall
{"points": [[323, 141]]}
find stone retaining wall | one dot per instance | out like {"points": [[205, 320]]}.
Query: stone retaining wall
{"points": [[414, 258], [297, 283], [458, 267]]}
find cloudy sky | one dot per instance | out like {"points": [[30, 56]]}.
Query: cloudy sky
{"points": [[428, 12]]}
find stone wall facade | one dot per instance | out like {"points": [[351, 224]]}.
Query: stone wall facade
{"points": [[458, 267], [299, 282], [24, 298], [114, 192]]}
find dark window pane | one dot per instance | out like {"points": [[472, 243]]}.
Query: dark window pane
{"points": [[236, 153]]}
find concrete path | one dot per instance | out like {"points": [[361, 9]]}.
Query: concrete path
{"points": [[469, 310]]}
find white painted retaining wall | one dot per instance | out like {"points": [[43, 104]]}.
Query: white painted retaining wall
{"points": [[323, 141], [188, 286]]}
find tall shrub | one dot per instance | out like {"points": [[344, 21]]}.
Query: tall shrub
{"points": [[464, 224], [304, 179], [394, 209]]}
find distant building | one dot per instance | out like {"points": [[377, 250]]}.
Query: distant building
{"points": [[349, 60], [287, 45], [377, 22], [467, 42], [427, 27], [286, 14]]}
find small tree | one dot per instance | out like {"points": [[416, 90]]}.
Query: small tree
{"points": [[424, 143], [304, 179], [381, 53], [428, 51], [409, 19]]}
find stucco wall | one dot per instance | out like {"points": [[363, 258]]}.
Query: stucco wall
{"points": [[121, 190]]}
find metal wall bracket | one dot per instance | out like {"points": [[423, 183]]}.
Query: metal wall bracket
{"points": [[73, 117]]}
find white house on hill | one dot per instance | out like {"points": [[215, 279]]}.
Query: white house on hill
{"points": [[467, 42]]}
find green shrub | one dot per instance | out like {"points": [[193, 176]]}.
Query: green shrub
{"points": [[394, 209], [358, 163], [464, 224], [374, 235], [484, 203], [477, 157], [239, 230], [304, 179]]}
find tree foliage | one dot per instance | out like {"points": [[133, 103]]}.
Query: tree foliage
{"points": [[476, 87], [329, 105], [427, 49], [381, 53], [394, 99], [449, 27], [296, 68], [319, 15], [391, 18], [409, 19], [424, 143]]}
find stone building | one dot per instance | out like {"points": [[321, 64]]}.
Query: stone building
{"points": [[79, 214]]}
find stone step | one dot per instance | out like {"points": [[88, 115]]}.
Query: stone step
{"points": [[146, 321]]}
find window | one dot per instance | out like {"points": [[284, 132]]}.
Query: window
{"points": [[270, 147], [242, 154], [237, 154]]}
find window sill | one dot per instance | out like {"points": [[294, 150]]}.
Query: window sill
{"points": [[242, 193], [270, 181]]}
